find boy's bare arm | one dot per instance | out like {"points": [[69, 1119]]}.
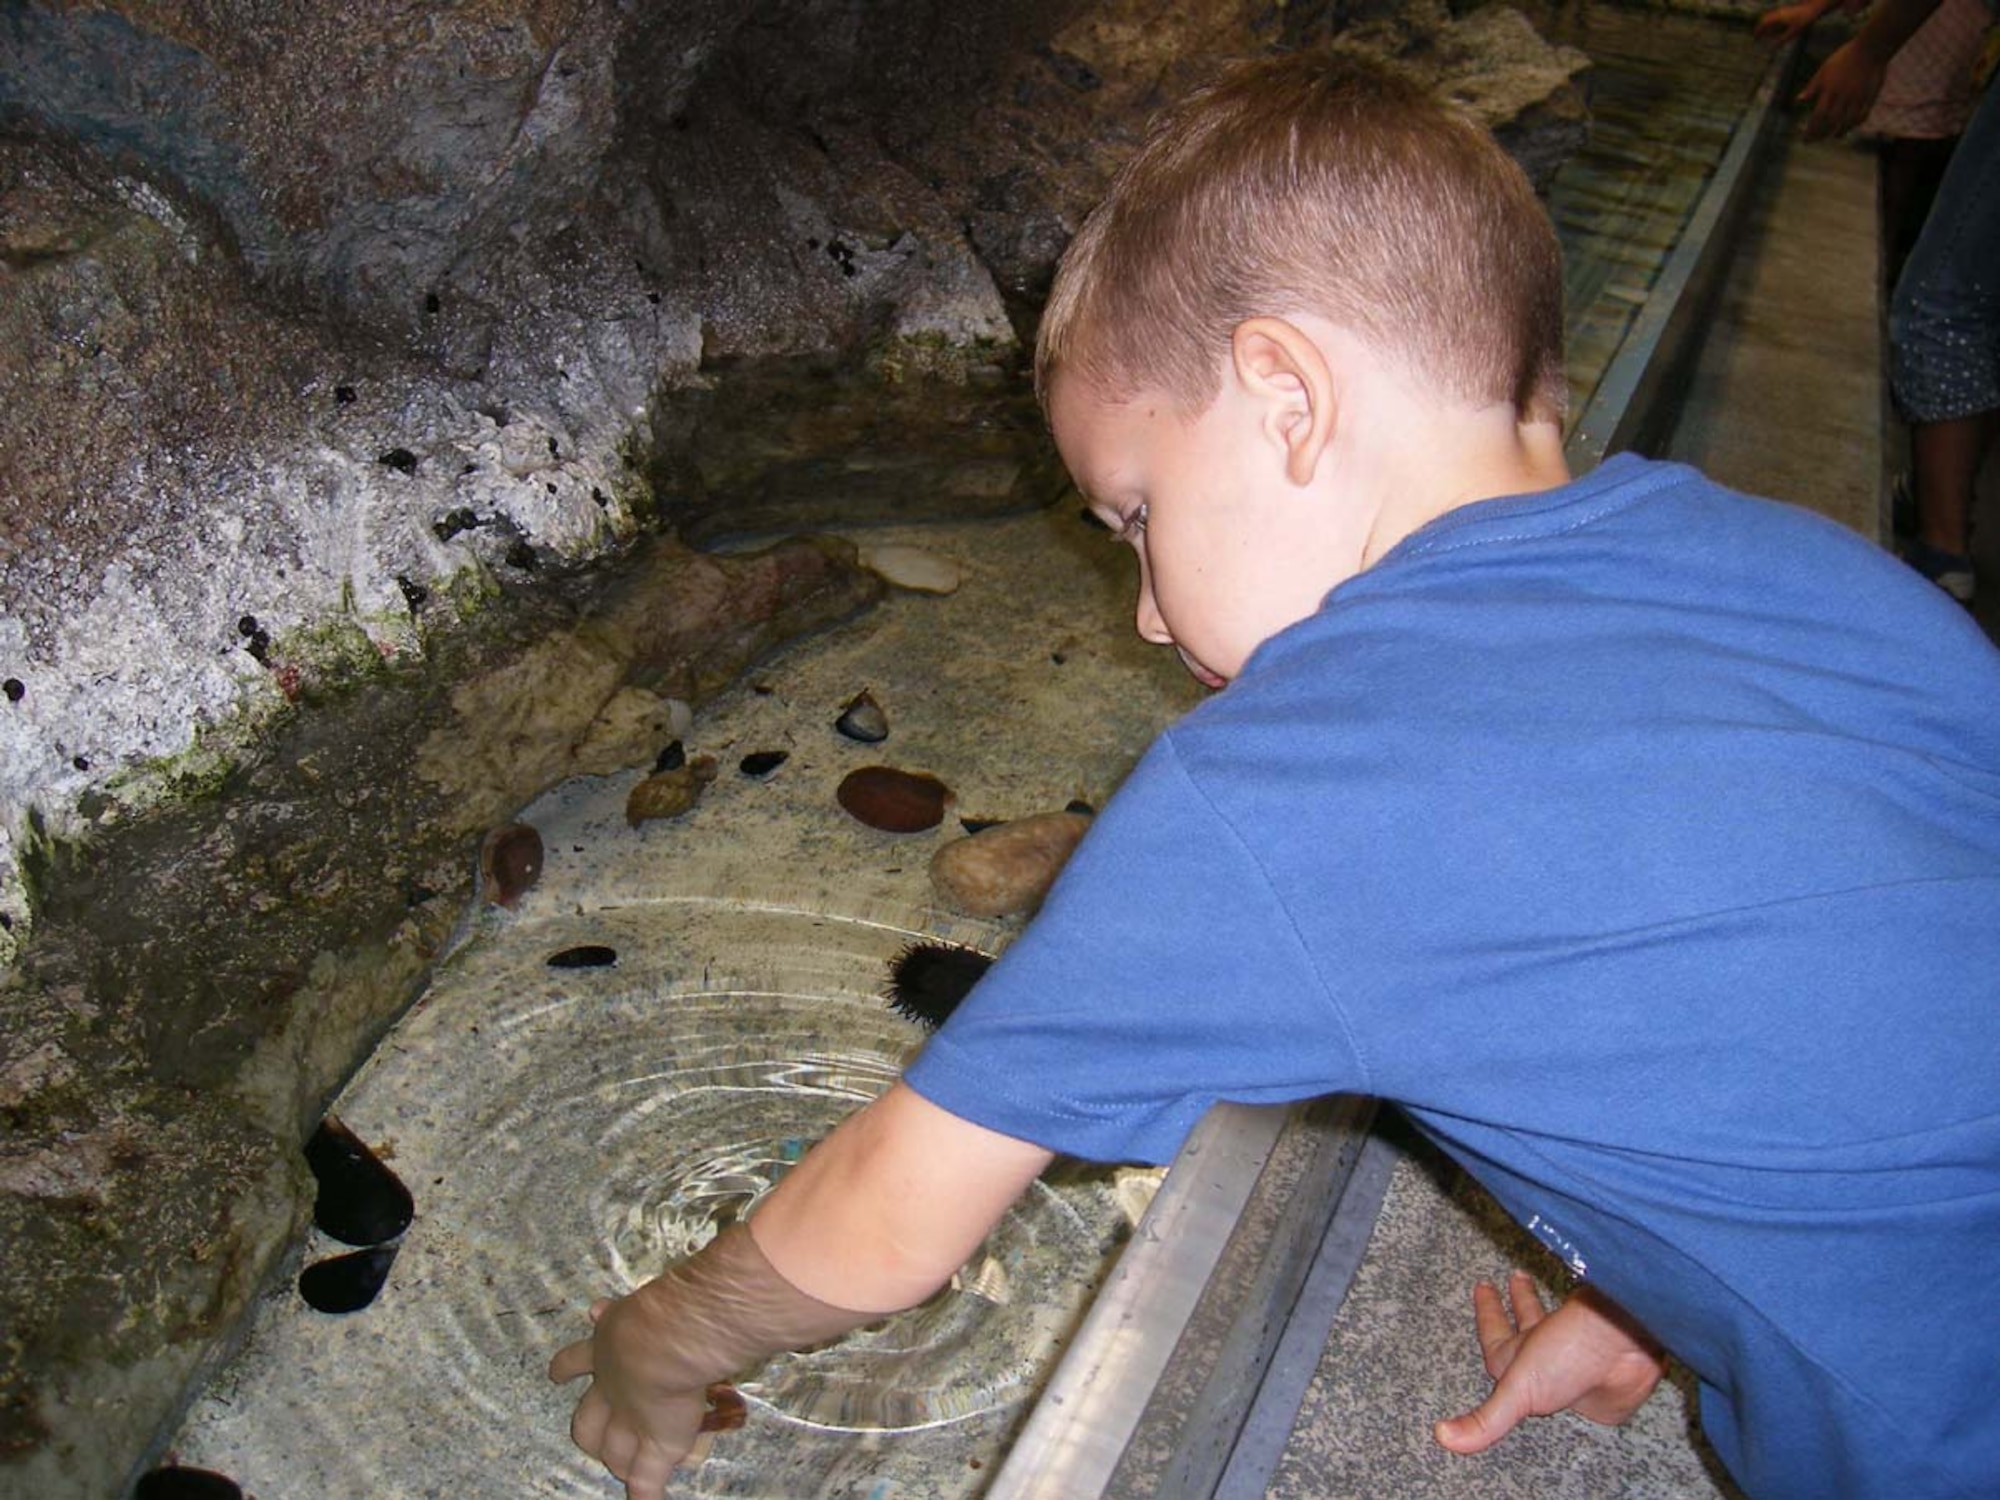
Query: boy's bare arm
{"points": [[899, 1196], [873, 1220], [1588, 1356]]}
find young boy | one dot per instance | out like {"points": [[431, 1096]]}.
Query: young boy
{"points": [[1641, 840]]}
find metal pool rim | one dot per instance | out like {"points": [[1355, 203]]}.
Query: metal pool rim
{"points": [[1634, 402], [1156, 1391]]}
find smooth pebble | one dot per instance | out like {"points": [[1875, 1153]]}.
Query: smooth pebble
{"points": [[510, 862], [863, 720], [894, 801], [1006, 869], [911, 567], [668, 794]]}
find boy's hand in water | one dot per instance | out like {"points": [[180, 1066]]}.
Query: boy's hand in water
{"points": [[1587, 1356], [644, 1407], [653, 1354], [880, 1213]]}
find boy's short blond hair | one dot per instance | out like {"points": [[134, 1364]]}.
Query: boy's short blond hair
{"points": [[1317, 182]]}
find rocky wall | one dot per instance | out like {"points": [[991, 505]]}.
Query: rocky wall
{"points": [[316, 316], [350, 355]]}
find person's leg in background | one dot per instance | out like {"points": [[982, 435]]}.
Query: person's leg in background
{"points": [[1944, 350]]}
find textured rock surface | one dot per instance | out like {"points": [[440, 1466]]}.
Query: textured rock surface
{"points": [[317, 320], [210, 506], [201, 980]]}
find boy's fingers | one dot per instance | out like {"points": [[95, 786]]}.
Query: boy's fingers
{"points": [[587, 1423], [1498, 1341], [599, 1308], [570, 1361], [1526, 1299], [1489, 1316], [647, 1478], [621, 1447]]}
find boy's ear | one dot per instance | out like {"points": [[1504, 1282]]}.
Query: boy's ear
{"points": [[1280, 365]]}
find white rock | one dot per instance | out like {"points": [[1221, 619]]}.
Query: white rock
{"points": [[631, 728], [911, 567]]}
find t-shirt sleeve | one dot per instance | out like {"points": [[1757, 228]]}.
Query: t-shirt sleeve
{"points": [[1161, 975]]}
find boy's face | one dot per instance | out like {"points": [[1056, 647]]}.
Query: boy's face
{"points": [[1229, 554]]}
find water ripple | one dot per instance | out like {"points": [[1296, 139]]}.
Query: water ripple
{"points": [[568, 1133]]}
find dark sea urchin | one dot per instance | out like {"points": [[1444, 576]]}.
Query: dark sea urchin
{"points": [[927, 980]]}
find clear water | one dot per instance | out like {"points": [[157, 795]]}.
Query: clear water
{"points": [[567, 1132]]}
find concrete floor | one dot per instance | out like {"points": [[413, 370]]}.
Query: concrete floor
{"points": [[1786, 397], [1402, 1354]]}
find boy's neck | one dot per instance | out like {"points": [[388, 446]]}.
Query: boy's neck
{"points": [[1420, 462]]}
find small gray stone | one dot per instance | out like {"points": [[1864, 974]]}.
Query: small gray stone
{"points": [[863, 720]]}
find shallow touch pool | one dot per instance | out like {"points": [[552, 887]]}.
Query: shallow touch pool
{"points": [[566, 1132]]}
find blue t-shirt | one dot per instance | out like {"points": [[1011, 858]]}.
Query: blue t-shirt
{"points": [[1643, 841]]}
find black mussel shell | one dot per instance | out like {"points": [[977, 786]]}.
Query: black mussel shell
{"points": [[671, 759], [360, 1202], [172, 1482], [584, 956], [762, 762], [347, 1283]]}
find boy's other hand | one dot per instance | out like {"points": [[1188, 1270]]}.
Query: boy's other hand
{"points": [[636, 1419], [1587, 1356]]}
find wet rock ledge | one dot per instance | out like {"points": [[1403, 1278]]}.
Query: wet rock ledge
{"points": [[366, 374]]}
